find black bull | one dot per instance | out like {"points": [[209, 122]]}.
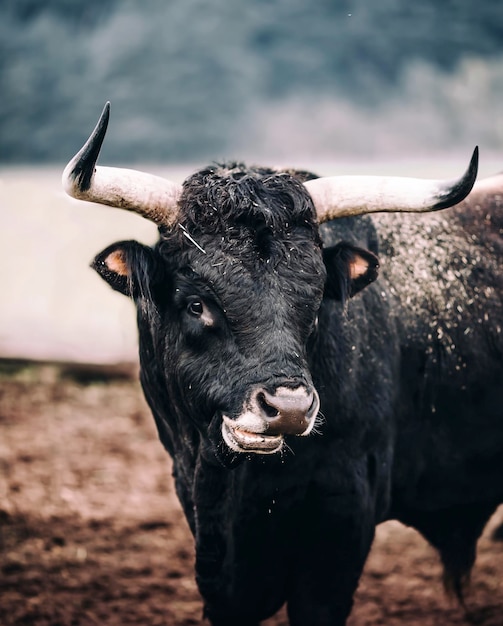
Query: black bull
{"points": [[258, 324]]}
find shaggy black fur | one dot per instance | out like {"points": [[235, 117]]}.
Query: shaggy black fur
{"points": [[245, 291]]}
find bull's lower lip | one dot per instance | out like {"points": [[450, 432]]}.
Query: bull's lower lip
{"points": [[241, 440]]}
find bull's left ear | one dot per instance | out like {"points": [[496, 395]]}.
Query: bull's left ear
{"points": [[349, 270], [127, 266]]}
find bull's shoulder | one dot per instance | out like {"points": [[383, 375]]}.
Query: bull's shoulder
{"points": [[444, 271], [459, 246], [481, 214]]}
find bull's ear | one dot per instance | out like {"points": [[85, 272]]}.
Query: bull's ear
{"points": [[126, 266], [349, 270]]}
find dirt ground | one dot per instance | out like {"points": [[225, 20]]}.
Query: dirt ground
{"points": [[91, 532]]}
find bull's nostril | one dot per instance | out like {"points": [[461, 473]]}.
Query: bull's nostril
{"points": [[269, 411]]}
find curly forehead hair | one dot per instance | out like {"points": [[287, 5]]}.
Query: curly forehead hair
{"points": [[222, 196]]}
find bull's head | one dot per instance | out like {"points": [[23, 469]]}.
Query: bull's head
{"points": [[228, 298]]}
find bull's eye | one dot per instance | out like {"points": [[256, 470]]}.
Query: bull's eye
{"points": [[195, 308]]}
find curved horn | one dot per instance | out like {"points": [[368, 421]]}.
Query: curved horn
{"points": [[151, 196], [343, 196]]}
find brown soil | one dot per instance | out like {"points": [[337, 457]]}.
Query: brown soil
{"points": [[91, 532]]}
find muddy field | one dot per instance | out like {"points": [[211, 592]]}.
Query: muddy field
{"points": [[91, 532]]}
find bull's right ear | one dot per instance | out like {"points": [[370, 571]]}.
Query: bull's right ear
{"points": [[349, 270], [127, 266]]}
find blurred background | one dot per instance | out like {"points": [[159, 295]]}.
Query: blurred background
{"points": [[337, 86]]}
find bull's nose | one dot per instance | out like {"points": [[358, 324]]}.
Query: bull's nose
{"points": [[288, 411]]}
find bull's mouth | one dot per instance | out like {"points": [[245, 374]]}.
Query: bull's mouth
{"points": [[241, 440]]}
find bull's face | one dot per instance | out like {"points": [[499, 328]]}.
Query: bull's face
{"points": [[227, 301]]}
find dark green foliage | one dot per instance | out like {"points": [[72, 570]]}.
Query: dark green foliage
{"points": [[186, 77]]}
